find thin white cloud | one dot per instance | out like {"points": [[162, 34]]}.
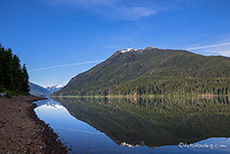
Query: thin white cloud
{"points": [[133, 13], [209, 46], [222, 49], [220, 52], [118, 9], [65, 65], [225, 53]]}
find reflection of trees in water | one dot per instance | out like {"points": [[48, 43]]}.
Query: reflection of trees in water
{"points": [[154, 122]]}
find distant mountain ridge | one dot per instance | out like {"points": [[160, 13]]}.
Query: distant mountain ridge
{"points": [[39, 90], [153, 71], [53, 88]]}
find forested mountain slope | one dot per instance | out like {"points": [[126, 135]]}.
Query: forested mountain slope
{"points": [[153, 71]]}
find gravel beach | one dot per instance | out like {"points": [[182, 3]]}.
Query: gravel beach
{"points": [[21, 131]]}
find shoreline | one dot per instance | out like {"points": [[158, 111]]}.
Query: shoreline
{"points": [[146, 96], [21, 131]]}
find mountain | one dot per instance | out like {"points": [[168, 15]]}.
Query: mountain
{"points": [[39, 90], [152, 71], [53, 88]]}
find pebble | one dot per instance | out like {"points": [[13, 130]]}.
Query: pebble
{"points": [[18, 129]]}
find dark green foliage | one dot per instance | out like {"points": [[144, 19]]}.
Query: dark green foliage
{"points": [[25, 80], [1, 63], [154, 122], [17, 75], [7, 69], [13, 78], [153, 71]]}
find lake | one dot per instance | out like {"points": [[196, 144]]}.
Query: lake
{"points": [[121, 125]]}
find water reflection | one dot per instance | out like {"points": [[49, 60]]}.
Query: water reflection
{"points": [[153, 122]]}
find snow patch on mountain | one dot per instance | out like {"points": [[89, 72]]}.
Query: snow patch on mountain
{"points": [[128, 50], [53, 88], [139, 51]]}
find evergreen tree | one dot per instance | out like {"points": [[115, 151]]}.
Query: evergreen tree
{"points": [[16, 73], [25, 80], [1, 63], [7, 69], [13, 78]]}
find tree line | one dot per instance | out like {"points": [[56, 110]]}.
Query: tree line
{"points": [[13, 78], [161, 85], [174, 86]]}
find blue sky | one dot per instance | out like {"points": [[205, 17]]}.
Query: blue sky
{"points": [[57, 39]]}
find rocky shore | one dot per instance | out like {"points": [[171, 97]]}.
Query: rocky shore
{"points": [[21, 131]]}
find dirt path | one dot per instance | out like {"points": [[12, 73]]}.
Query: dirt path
{"points": [[22, 132]]}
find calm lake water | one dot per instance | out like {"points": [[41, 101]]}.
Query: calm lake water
{"points": [[91, 125]]}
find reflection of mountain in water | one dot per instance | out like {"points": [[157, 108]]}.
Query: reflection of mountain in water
{"points": [[48, 103], [151, 122]]}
